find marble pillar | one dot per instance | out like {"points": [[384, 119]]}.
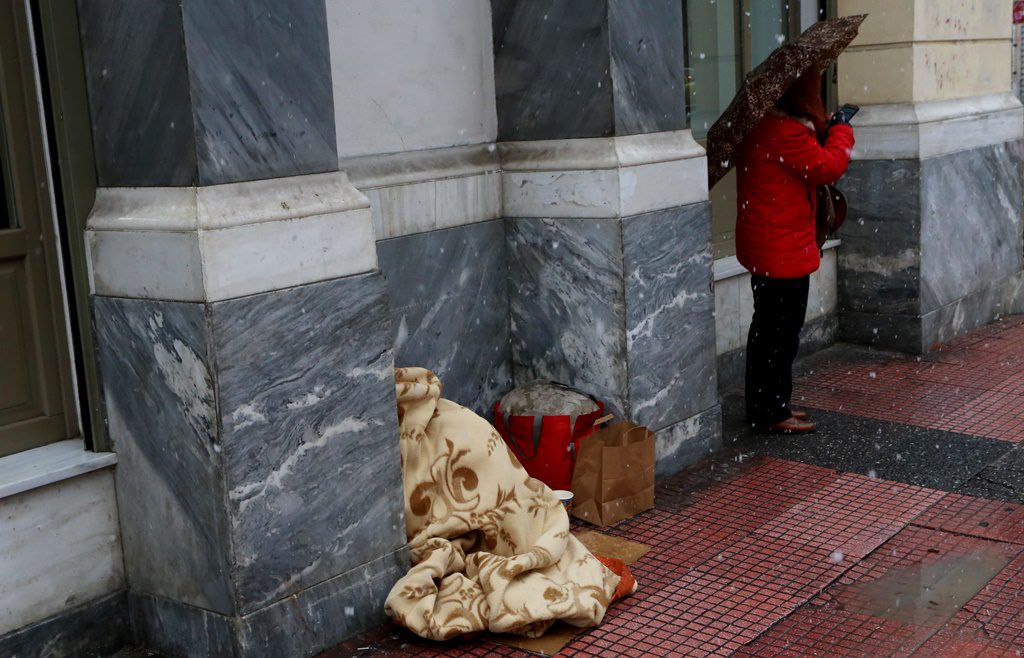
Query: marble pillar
{"points": [[610, 280], [567, 69], [244, 335], [607, 216], [932, 246]]}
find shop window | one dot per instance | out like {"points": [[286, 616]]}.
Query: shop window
{"points": [[725, 40]]}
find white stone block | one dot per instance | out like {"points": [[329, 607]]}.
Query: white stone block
{"points": [[59, 548], [218, 242], [727, 315], [410, 75], [245, 260]]}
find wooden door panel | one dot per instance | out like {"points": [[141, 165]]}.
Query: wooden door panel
{"points": [[35, 378], [15, 382]]}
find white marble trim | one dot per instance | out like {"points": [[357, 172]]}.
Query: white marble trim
{"points": [[225, 241], [221, 206], [598, 153], [31, 469], [935, 128], [602, 177], [376, 171], [729, 267]]}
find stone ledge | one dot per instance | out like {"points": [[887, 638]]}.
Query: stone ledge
{"points": [[934, 128], [729, 267], [225, 241], [49, 464], [595, 153], [602, 177]]}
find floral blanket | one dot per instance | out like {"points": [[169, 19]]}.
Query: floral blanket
{"points": [[490, 546]]}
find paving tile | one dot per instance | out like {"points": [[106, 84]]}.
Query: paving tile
{"points": [[949, 645], [826, 630], [966, 515], [973, 386], [996, 614]]}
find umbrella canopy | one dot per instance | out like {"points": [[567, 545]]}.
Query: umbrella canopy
{"points": [[816, 48]]}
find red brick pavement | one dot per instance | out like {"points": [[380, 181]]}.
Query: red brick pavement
{"points": [[974, 385], [768, 557]]}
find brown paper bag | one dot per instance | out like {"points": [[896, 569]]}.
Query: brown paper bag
{"points": [[614, 474]]}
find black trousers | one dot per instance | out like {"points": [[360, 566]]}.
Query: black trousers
{"points": [[772, 344]]}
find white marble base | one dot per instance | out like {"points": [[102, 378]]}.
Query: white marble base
{"points": [[934, 128], [47, 464], [418, 191], [59, 548], [602, 177], [734, 302], [225, 241]]}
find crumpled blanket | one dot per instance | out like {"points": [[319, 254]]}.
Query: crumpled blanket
{"points": [[490, 546]]}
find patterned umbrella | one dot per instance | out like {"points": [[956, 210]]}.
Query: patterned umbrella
{"points": [[818, 47]]}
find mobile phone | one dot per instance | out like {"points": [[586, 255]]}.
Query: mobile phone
{"points": [[848, 111]]}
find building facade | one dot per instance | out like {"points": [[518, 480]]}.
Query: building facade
{"points": [[249, 212]]}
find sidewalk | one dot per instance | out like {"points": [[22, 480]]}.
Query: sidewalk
{"points": [[896, 530]]}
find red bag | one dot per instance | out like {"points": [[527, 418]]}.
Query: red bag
{"points": [[546, 446]]}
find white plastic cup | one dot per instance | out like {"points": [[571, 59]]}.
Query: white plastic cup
{"points": [[564, 497]]}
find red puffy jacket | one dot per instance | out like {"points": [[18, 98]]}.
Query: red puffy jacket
{"points": [[778, 166]]}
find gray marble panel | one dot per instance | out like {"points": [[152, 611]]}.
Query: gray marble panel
{"points": [[261, 88], [816, 335], [971, 223], [999, 298], [879, 262], [92, 630], [137, 80], [448, 292], [731, 370], [670, 314], [567, 303], [158, 387], [175, 629], [647, 65], [323, 616], [688, 441], [902, 333], [309, 434], [552, 69]]}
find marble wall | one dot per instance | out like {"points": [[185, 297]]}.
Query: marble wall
{"points": [[306, 429], [971, 222], [202, 92], [932, 247], [670, 314], [94, 628], [274, 411], [448, 292], [566, 69], [621, 308], [734, 308], [260, 77], [155, 365], [142, 127], [410, 75]]}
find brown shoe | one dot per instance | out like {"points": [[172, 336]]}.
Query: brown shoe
{"points": [[793, 425], [799, 415]]}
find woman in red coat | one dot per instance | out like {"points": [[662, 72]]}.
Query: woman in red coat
{"points": [[778, 167]]}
